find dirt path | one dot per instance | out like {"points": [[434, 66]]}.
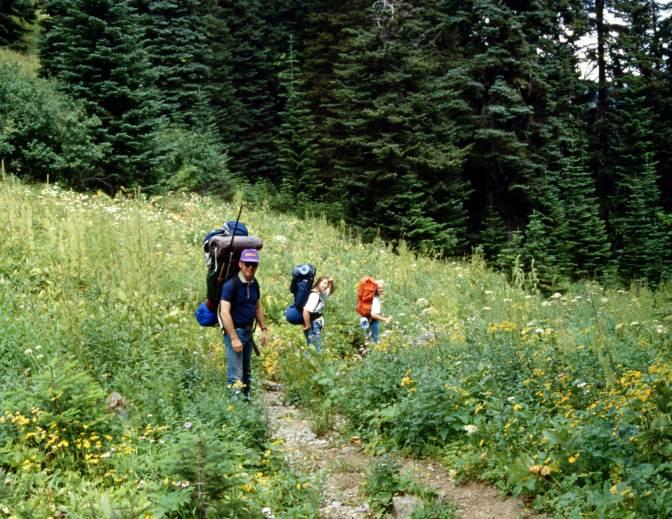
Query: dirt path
{"points": [[342, 467]]}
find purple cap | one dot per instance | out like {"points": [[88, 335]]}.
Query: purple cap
{"points": [[250, 256]]}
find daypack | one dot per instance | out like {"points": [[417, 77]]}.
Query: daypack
{"points": [[222, 248], [302, 283], [366, 290]]}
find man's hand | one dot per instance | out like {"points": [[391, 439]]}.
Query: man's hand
{"points": [[264, 336], [237, 345]]}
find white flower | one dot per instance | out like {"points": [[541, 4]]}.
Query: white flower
{"points": [[557, 295], [511, 399], [28, 352], [539, 331], [421, 301], [581, 384], [604, 300], [268, 513], [187, 425], [470, 428]]}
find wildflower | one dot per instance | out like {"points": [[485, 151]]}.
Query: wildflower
{"points": [[187, 425], [517, 407], [267, 512], [581, 384], [557, 295], [470, 429], [421, 301], [572, 459]]}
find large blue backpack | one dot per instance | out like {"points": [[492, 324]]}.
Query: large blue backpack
{"points": [[222, 248], [302, 283]]}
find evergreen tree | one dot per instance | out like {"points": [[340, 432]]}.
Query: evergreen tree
{"points": [[226, 107], [638, 234], [397, 166], [176, 41], [587, 239], [16, 16], [93, 47], [255, 82], [493, 235], [297, 149]]}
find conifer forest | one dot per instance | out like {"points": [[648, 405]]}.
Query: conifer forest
{"points": [[535, 133]]}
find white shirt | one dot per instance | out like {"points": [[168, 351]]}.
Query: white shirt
{"points": [[375, 306], [314, 305]]}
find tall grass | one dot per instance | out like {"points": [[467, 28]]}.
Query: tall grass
{"points": [[96, 297]]}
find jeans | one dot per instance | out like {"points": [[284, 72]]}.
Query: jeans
{"points": [[238, 364], [374, 330], [314, 335]]}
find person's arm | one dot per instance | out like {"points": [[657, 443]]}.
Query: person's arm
{"points": [[311, 305], [379, 317], [262, 323], [377, 314], [227, 322], [306, 319]]}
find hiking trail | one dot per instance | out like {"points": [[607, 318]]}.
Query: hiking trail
{"points": [[343, 466]]}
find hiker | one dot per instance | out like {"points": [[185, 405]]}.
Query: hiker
{"points": [[313, 322], [376, 312], [240, 305]]}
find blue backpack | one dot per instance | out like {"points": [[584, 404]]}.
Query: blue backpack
{"points": [[302, 283], [221, 258]]}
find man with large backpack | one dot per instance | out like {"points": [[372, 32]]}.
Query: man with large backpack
{"points": [[239, 307]]}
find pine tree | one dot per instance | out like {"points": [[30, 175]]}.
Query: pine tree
{"points": [[297, 149], [93, 47], [226, 107], [255, 82], [16, 16], [176, 42], [397, 166], [635, 204], [587, 235]]}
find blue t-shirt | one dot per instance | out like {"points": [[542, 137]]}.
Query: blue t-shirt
{"points": [[243, 298]]}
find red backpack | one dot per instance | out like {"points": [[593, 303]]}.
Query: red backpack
{"points": [[365, 291]]}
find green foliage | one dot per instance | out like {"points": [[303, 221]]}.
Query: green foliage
{"points": [[192, 161], [384, 481], [16, 17], [176, 43], [93, 48], [95, 310], [43, 133], [396, 159]]}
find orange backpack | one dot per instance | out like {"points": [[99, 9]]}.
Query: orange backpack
{"points": [[365, 291]]}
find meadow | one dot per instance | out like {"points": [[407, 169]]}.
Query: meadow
{"points": [[564, 399]]}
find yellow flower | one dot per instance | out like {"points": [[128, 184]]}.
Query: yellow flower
{"points": [[572, 459]]}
